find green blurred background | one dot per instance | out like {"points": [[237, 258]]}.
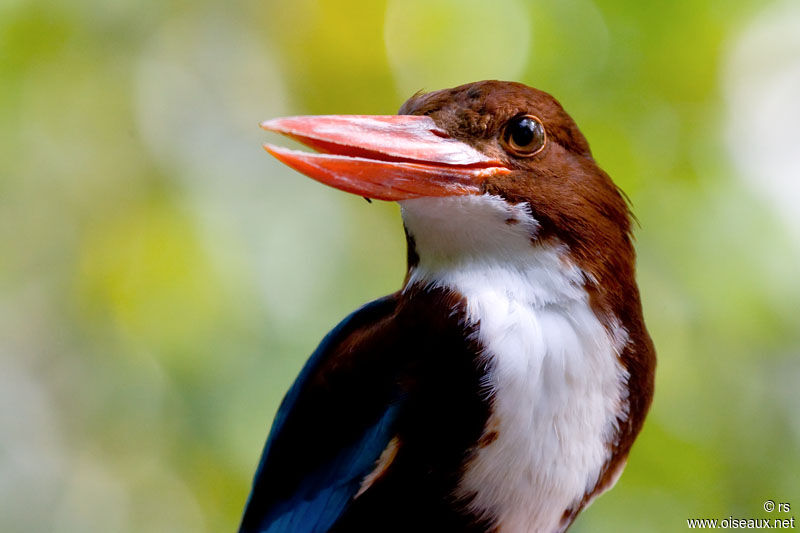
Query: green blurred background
{"points": [[162, 279]]}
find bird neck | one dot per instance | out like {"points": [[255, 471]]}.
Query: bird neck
{"points": [[479, 243]]}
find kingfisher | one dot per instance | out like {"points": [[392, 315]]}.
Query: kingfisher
{"points": [[501, 387]]}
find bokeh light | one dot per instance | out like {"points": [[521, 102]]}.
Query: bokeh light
{"points": [[762, 83], [472, 40]]}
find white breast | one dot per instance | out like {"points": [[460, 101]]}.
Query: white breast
{"points": [[553, 375]]}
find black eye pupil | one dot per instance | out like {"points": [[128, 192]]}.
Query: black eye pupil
{"points": [[523, 136], [523, 131]]}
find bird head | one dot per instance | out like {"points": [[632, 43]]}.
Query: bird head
{"points": [[472, 164]]}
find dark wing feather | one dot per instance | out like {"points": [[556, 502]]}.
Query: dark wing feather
{"points": [[330, 429]]}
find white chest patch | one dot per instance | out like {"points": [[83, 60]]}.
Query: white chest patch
{"points": [[553, 376]]}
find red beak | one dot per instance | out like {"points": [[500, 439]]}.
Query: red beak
{"points": [[392, 157]]}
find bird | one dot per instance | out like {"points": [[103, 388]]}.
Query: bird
{"points": [[501, 387]]}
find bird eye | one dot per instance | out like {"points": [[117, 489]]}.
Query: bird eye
{"points": [[524, 136]]}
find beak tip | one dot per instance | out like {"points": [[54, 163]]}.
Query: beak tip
{"points": [[267, 124], [271, 149]]}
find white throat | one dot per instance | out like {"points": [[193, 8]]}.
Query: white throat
{"points": [[556, 386]]}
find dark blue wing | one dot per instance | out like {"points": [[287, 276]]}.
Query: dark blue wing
{"points": [[330, 430]]}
